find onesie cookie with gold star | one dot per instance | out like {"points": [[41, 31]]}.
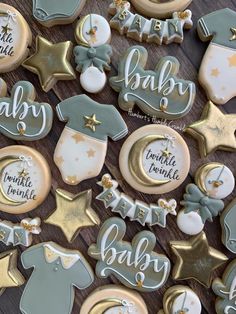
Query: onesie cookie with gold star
{"points": [[218, 68], [81, 150]]}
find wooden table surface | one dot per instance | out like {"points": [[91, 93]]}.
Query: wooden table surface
{"points": [[189, 53]]}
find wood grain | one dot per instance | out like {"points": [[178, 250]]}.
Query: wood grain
{"points": [[189, 54]]}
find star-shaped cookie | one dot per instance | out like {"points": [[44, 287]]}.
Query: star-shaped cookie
{"points": [[196, 259], [51, 62], [214, 131], [73, 213]]}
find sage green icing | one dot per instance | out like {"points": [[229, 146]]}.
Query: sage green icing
{"points": [[137, 25], [175, 27], [6, 232], [119, 20], [228, 225], [154, 32]]}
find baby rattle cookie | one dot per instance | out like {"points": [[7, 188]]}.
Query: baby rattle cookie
{"points": [[25, 179], [157, 93], [21, 117], [227, 221], [217, 71], [180, 300], [203, 200], [113, 299], [15, 38], [93, 54], [133, 264], [89, 124], [57, 271], [154, 159], [56, 12]]}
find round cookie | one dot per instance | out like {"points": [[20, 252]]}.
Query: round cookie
{"points": [[15, 38], [154, 159], [113, 299], [25, 179], [189, 223]]}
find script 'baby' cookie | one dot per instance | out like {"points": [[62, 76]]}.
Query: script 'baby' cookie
{"points": [[227, 221], [15, 38], [154, 159], [157, 93], [113, 299], [25, 179], [21, 117], [55, 12]]}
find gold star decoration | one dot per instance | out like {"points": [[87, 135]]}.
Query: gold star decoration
{"points": [[51, 62], [215, 72], [214, 131], [91, 122], [232, 60], [6, 29], [23, 173], [196, 259], [73, 212], [91, 153], [71, 179], [78, 138], [166, 153], [10, 276], [233, 31]]}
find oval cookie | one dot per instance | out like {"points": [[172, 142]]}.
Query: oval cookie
{"points": [[227, 221]]}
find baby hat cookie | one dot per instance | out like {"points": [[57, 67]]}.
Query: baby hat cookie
{"points": [[133, 264], [15, 38], [93, 54], [154, 159], [113, 299], [227, 221], [89, 124], [217, 71], [157, 93], [25, 179], [57, 271], [21, 117], [55, 12]]}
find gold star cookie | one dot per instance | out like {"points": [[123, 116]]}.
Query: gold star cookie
{"points": [[51, 62], [214, 131], [73, 213], [196, 259]]}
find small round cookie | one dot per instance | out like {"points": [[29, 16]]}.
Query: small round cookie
{"points": [[25, 179], [93, 80], [113, 299], [154, 159], [15, 38], [190, 223]]}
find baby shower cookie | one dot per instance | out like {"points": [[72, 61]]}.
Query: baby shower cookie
{"points": [[133, 264], [217, 71], [21, 117], [180, 300], [57, 271], [227, 221], [25, 179], [55, 12], [154, 159], [51, 62], [89, 124], [93, 55], [157, 93], [15, 38], [113, 299]]}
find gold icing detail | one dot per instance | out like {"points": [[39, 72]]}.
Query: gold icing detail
{"points": [[233, 31], [78, 138], [103, 306], [91, 153], [107, 182], [232, 60], [215, 72], [202, 173], [91, 122]]}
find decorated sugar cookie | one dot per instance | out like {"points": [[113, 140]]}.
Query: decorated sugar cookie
{"points": [[21, 117], [154, 159], [180, 300], [89, 124], [153, 214], [25, 179], [15, 38], [113, 299], [134, 264], [157, 93], [57, 271], [92, 56], [217, 71], [227, 221], [203, 200], [54, 12], [225, 289], [152, 31]]}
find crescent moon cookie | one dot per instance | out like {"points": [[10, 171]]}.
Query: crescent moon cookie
{"points": [[134, 264], [56, 12], [217, 71], [57, 272], [15, 38], [227, 221], [113, 299], [93, 55], [25, 179], [154, 159], [157, 93]]}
